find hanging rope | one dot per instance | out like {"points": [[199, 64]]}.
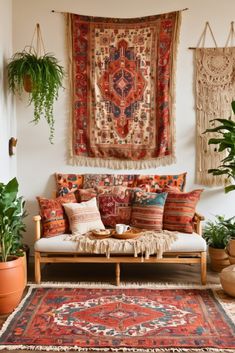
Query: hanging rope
{"points": [[39, 48]]}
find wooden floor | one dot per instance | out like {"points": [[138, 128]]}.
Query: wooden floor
{"points": [[131, 273]]}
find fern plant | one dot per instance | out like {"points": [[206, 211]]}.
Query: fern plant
{"points": [[226, 141], [46, 78]]}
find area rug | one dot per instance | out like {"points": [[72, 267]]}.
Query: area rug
{"points": [[122, 74], [120, 319]]}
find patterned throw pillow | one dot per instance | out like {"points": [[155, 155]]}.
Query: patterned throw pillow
{"points": [[54, 219], [86, 194], [67, 183], [83, 216], [158, 182], [114, 205], [147, 210], [95, 180], [179, 210]]}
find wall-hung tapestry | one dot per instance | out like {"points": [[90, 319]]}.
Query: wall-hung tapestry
{"points": [[215, 90], [122, 78]]}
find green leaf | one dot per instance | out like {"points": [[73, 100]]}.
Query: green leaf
{"points": [[229, 188]]}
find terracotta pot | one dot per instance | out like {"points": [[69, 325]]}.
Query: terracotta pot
{"points": [[12, 283], [218, 259], [231, 247], [27, 82]]}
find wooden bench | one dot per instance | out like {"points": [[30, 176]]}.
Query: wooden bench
{"points": [[189, 249]]}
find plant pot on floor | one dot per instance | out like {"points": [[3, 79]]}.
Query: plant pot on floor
{"points": [[231, 247], [12, 283], [218, 259]]}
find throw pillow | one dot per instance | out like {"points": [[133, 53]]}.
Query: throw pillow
{"points": [[67, 183], [86, 194], [180, 209], [54, 219], [147, 210], [83, 216], [95, 180], [158, 182], [114, 204]]}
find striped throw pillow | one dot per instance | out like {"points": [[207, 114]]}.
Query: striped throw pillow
{"points": [[179, 210], [147, 210], [83, 216]]}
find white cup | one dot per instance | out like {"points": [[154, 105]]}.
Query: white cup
{"points": [[121, 228]]}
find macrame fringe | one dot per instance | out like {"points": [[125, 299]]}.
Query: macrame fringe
{"points": [[149, 243]]}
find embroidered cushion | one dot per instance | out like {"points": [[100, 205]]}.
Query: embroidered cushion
{"points": [[54, 219], [114, 204], [180, 209], [147, 210], [157, 182], [95, 180], [83, 216], [67, 183]]}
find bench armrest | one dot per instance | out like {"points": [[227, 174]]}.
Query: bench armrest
{"points": [[37, 220], [197, 227]]}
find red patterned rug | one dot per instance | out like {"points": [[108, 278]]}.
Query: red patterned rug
{"points": [[123, 319]]}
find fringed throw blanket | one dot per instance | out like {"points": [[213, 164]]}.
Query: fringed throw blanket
{"points": [[149, 243], [215, 89], [122, 81]]}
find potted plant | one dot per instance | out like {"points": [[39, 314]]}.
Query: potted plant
{"points": [[45, 75], [230, 225], [12, 261], [225, 141], [217, 236]]}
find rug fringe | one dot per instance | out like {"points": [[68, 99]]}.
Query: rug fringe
{"points": [[134, 350], [149, 285]]}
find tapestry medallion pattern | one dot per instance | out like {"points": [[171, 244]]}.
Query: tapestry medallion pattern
{"points": [[215, 90], [122, 78]]}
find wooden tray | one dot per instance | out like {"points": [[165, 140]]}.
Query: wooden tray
{"points": [[132, 233], [100, 235]]}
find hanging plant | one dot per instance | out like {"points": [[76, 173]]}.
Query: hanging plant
{"points": [[41, 76]]}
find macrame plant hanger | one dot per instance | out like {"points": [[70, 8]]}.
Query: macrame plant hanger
{"points": [[231, 36], [38, 50]]}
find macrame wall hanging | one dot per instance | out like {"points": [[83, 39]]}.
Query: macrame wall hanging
{"points": [[215, 90]]}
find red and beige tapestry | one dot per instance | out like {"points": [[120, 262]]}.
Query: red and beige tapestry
{"points": [[122, 81], [120, 320]]}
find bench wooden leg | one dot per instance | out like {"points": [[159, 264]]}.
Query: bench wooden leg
{"points": [[203, 267], [37, 267], [117, 274]]}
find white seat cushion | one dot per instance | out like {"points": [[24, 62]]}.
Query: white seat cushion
{"points": [[184, 243]]}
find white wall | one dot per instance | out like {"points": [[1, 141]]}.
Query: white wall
{"points": [[38, 160], [7, 120]]}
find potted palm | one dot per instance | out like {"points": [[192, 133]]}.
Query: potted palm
{"points": [[12, 260], [41, 76], [217, 236]]}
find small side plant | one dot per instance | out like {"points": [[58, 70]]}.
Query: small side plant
{"points": [[226, 141], [216, 233], [11, 220]]}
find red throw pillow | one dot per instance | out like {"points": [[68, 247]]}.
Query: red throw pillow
{"points": [[54, 219], [114, 204], [179, 210]]}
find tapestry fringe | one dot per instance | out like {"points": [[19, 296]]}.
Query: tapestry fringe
{"points": [[120, 164]]}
